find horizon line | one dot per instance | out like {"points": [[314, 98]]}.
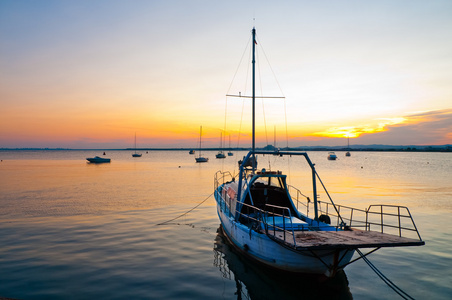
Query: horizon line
{"points": [[355, 147]]}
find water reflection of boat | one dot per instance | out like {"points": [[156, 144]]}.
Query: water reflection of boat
{"points": [[257, 282], [262, 219]]}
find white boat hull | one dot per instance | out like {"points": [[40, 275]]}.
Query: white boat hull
{"points": [[268, 252]]}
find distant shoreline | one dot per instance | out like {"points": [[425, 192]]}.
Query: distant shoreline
{"points": [[355, 148]]}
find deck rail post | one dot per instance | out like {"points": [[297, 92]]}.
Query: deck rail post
{"points": [[381, 210], [314, 191], [351, 217], [284, 224], [367, 220]]}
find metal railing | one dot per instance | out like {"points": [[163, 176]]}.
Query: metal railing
{"points": [[221, 177], [284, 216], [224, 206], [298, 194], [390, 219], [265, 219]]}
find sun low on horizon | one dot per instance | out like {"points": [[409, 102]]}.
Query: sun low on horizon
{"points": [[92, 74]]}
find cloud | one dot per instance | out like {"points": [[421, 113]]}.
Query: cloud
{"points": [[432, 127], [356, 131]]}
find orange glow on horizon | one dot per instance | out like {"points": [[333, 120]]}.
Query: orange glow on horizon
{"points": [[356, 131], [118, 130]]}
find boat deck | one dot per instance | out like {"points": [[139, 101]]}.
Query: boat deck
{"points": [[350, 239]]}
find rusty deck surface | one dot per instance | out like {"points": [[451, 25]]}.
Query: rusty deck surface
{"points": [[350, 239]]}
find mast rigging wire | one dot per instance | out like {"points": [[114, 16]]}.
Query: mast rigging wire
{"points": [[230, 86], [285, 107]]}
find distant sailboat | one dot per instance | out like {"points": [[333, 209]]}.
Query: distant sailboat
{"points": [[274, 142], [230, 153], [220, 153], [201, 159], [136, 154], [348, 147]]}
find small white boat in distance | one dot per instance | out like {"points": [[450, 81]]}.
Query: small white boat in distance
{"points": [[332, 156], [97, 159], [191, 152], [230, 153]]}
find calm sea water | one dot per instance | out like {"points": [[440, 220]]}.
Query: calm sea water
{"points": [[75, 230]]}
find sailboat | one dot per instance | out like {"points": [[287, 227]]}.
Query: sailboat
{"points": [[261, 219], [348, 147], [230, 153], [220, 153], [275, 150], [136, 154], [200, 158]]}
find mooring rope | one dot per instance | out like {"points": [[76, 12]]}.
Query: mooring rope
{"points": [[394, 287], [186, 211]]}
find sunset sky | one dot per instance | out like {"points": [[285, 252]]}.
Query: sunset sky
{"points": [[91, 74]]}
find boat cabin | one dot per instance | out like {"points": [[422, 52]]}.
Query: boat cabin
{"points": [[267, 191]]}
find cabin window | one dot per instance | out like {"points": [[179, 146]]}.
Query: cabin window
{"points": [[269, 181], [269, 190], [276, 182]]}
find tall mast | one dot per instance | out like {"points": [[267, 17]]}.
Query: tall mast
{"points": [[254, 98], [200, 134]]}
